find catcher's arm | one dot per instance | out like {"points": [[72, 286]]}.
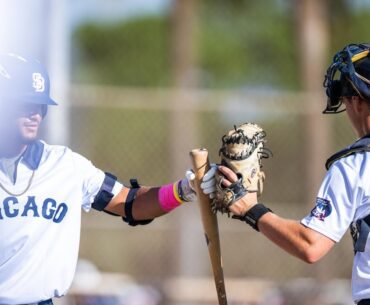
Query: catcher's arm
{"points": [[290, 235], [295, 238], [242, 150]]}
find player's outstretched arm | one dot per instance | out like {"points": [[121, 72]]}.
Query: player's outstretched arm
{"points": [[295, 238], [292, 236], [144, 203]]}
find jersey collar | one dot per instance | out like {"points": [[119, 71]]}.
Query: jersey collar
{"points": [[32, 155]]}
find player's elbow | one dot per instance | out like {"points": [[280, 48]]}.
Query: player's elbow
{"points": [[314, 246], [310, 256], [310, 259]]}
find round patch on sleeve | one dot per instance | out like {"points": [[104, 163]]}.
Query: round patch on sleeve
{"points": [[322, 209]]}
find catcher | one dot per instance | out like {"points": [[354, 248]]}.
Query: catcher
{"points": [[343, 200]]}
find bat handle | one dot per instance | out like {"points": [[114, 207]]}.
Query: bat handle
{"points": [[200, 162]]}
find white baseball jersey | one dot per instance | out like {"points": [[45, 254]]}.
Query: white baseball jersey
{"points": [[344, 197], [40, 229]]}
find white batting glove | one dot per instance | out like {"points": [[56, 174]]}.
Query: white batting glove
{"points": [[186, 186], [208, 184]]}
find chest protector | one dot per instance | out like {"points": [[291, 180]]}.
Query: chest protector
{"points": [[360, 229]]}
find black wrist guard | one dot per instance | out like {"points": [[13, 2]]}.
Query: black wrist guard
{"points": [[253, 215]]}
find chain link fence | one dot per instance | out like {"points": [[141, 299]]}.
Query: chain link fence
{"points": [[165, 83]]}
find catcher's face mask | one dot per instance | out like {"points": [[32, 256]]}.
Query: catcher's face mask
{"points": [[342, 80]]}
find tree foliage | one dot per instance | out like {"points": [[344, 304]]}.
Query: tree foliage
{"points": [[133, 53], [241, 43]]}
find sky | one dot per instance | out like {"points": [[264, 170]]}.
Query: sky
{"points": [[34, 27]]}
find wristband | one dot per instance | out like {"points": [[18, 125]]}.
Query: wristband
{"points": [[253, 215], [168, 197]]}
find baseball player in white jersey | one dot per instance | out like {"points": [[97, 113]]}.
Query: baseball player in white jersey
{"points": [[343, 200], [42, 190]]}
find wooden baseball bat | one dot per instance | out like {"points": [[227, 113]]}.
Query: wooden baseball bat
{"points": [[200, 162]]}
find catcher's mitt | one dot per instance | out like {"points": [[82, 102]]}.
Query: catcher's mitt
{"points": [[242, 150]]}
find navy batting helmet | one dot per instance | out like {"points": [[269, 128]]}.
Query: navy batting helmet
{"points": [[24, 81], [348, 75]]}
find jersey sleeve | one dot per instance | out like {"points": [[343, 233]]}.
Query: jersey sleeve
{"points": [[336, 202], [93, 180]]}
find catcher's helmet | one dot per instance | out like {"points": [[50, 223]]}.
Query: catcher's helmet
{"points": [[348, 75], [24, 81]]}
